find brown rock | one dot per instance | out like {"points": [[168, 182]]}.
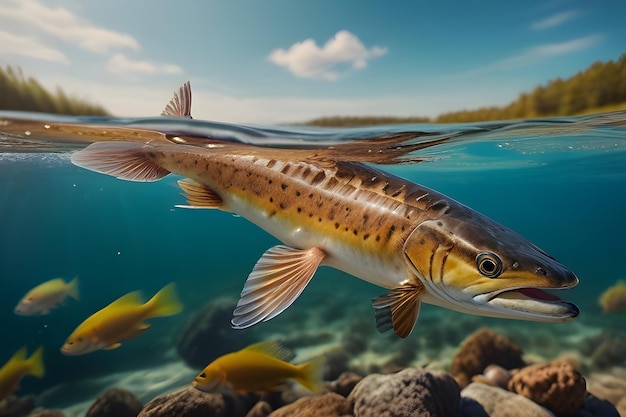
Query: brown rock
{"points": [[480, 400], [115, 402], [555, 385], [190, 402], [260, 409], [345, 383], [483, 348], [411, 392], [327, 405]]}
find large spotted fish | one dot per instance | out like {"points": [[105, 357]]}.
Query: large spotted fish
{"points": [[329, 208]]}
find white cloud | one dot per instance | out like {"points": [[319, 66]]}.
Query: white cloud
{"points": [[64, 25], [11, 44], [121, 64], [555, 20], [306, 59]]}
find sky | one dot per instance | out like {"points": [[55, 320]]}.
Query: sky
{"points": [[284, 61]]}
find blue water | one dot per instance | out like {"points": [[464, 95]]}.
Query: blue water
{"points": [[561, 183]]}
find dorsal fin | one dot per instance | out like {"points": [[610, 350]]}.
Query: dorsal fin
{"points": [[272, 348], [180, 104], [132, 298]]}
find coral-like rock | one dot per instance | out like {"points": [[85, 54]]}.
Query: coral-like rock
{"points": [[345, 383], [16, 406], [115, 402], [480, 400], [482, 348], [411, 392], [555, 385], [209, 335], [327, 405], [190, 402], [613, 300]]}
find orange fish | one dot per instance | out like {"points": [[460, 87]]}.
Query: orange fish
{"points": [[262, 368], [47, 296], [17, 368]]}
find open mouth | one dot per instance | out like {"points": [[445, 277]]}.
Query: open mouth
{"points": [[529, 303]]}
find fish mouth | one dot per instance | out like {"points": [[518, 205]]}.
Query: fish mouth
{"points": [[529, 303]]}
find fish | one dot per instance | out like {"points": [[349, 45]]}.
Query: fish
{"points": [[613, 300], [121, 320], [46, 297], [332, 207], [17, 368], [260, 368]]}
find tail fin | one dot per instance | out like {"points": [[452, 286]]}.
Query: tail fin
{"points": [[35, 363], [165, 302], [310, 375], [72, 289], [124, 160]]}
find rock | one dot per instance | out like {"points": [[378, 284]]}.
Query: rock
{"points": [[190, 402], [555, 385], [595, 407], [335, 363], [483, 348], [16, 406], [115, 402], [260, 409], [606, 349], [607, 387], [46, 413], [496, 402], [411, 392], [326, 405], [494, 375], [345, 383], [209, 335]]}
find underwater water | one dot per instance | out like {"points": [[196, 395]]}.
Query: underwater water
{"points": [[560, 183]]}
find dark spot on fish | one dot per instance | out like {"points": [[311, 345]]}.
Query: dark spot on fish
{"points": [[319, 177], [439, 223], [377, 238], [299, 209], [272, 213], [249, 174], [346, 229], [336, 225], [283, 186], [282, 206], [319, 219], [311, 195], [195, 162], [206, 167], [271, 163], [365, 218], [310, 215], [297, 193], [422, 241], [392, 229], [365, 236], [271, 199], [356, 232], [269, 181], [151, 154]]}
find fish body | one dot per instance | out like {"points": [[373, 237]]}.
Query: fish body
{"points": [[17, 368], [260, 368], [121, 320], [412, 240], [47, 296], [613, 300]]}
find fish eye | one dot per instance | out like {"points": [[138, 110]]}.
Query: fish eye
{"points": [[489, 264], [202, 375]]}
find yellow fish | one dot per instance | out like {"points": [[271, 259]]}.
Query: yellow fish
{"points": [[263, 367], [613, 300], [46, 297], [121, 320], [17, 368]]}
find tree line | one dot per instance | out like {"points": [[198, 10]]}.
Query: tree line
{"points": [[26, 94], [601, 87]]}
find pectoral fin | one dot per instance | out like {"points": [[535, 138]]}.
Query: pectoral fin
{"points": [[398, 309], [199, 195], [276, 281], [112, 346]]}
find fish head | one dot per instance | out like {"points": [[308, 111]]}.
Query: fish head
{"points": [[472, 264], [211, 379], [27, 306], [79, 344]]}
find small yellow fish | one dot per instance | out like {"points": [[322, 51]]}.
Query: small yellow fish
{"points": [[262, 368], [121, 320], [46, 297], [613, 300], [17, 368]]}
